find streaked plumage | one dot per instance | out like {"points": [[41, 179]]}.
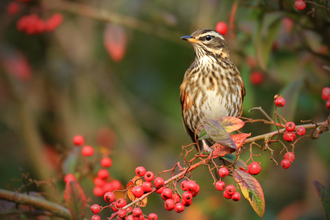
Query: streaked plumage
{"points": [[212, 86]]}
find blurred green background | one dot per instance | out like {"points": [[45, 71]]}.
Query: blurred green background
{"points": [[112, 71]]}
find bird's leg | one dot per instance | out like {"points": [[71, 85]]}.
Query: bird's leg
{"points": [[206, 147]]}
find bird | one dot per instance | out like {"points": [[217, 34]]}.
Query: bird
{"points": [[212, 86]]}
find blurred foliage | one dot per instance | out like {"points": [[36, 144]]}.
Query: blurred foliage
{"points": [[58, 84]]}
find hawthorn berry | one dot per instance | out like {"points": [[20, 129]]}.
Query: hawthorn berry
{"points": [[69, 177], [256, 78], [113, 207], [192, 186], [230, 189], [184, 186], [167, 194], [137, 191], [120, 203], [140, 171], [179, 207], [106, 162], [54, 21], [289, 136], [280, 102], [109, 197], [96, 217], [236, 196], [87, 151], [78, 140], [169, 204], [328, 104], [107, 187], [290, 156], [98, 191], [152, 216], [254, 168], [149, 176], [301, 131], [95, 208], [129, 217], [147, 186], [176, 197], [160, 190], [159, 182], [116, 184], [220, 185], [12, 8], [187, 196], [223, 172], [137, 212], [290, 126], [121, 213], [221, 27], [186, 203], [300, 5], [99, 182], [195, 193], [326, 93], [226, 195], [285, 163], [103, 174]]}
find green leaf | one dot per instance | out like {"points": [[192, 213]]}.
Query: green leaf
{"points": [[218, 133], [231, 158], [203, 135], [70, 162], [324, 196], [230, 123], [75, 200], [251, 190]]}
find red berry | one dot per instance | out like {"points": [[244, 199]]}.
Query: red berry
{"points": [[137, 191], [220, 185], [96, 217], [221, 27], [149, 176], [184, 186], [87, 151], [169, 204], [98, 191], [328, 104], [195, 193], [223, 172], [103, 174], [109, 197], [300, 5], [147, 186], [153, 216], [54, 21], [280, 102], [236, 196], [254, 168], [78, 140], [12, 8], [140, 171], [129, 217], [301, 131], [179, 207], [192, 186], [113, 207], [116, 185], [159, 182], [137, 212], [107, 187], [160, 190], [99, 182], [187, 196], [69, 177], [122, 213], [290, 156], [226, 195], [95, 208], [106, 162], [290, 126], [176, 198], [256, 78], [120, 203], [167, 194], [230, 189], [289, 136], [326, 93], [285, 163], [186, 203]]}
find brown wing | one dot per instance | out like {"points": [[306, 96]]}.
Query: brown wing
{"points": [[186, 103]]}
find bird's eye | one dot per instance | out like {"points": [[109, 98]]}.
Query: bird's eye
{"points": [[208, 37]]}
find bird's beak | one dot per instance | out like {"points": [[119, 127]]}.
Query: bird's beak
{"points": [[189, 39]]}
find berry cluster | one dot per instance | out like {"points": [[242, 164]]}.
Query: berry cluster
{"points": [[221, 27], [300, 5], [229, 191], [326, 96], [288, 159], [290, 133]]}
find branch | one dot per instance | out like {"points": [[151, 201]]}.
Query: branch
{"points": [[35, 202]]}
